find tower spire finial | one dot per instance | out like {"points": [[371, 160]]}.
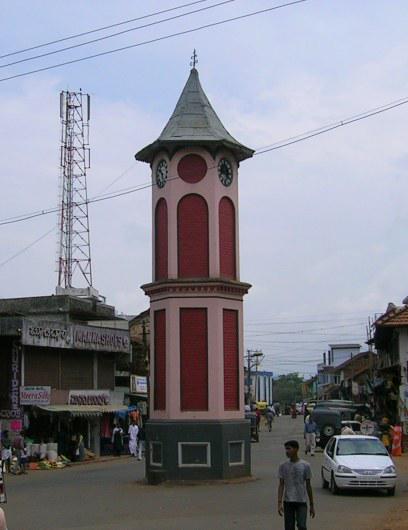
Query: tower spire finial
{"points": [[194, 59]]}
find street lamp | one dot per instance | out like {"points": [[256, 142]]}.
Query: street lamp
{"points": [[253, 358]]}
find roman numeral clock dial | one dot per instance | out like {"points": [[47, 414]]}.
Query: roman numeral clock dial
{"points": [[161, 173], [225, 172]]}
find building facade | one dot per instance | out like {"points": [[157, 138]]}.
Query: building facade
{"points": [[58, 371]]}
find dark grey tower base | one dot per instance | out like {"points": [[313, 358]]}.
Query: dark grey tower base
{"points": [[197, 450]]}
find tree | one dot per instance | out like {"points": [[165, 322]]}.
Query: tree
{"points": [[288, 388]]}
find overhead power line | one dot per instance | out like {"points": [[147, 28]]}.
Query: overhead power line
{"points": [[331, 127], [157, 39], [346, 121], [117, 34], [26, 248], [89, 32]]}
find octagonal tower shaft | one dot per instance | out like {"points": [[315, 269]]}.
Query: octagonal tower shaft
{"points": [[196, 295]]}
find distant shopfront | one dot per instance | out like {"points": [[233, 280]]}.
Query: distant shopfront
{"points": [[59, 377]]}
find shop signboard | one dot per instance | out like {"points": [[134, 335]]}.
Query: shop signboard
{"points": [[14, 410], [89, 397], [46, 333], [59, 335], [35, 395], [101, 339], [138, 384]]}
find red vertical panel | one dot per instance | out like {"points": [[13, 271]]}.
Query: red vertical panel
{"points": [[160, 359], [231, 360], [193, 253], [193, 359], [161, 241], [227, 238]]}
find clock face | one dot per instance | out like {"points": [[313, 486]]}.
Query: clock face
{"points": [[225, 172], [161, 173]]}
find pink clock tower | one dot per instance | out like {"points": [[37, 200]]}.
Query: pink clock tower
{"points": [[197, 428]]}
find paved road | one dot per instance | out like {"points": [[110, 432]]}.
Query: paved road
{"points": [[108, 496]]}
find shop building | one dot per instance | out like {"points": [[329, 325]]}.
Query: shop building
{"points": [[58, 370], [390, 383]]}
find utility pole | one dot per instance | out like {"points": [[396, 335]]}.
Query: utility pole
{"points": [[250, 355]]}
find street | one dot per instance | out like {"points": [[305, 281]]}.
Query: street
{"points": [[110, 496]]}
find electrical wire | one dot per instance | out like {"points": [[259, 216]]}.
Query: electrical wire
{"points": [[117, 34], [347, 121], [331, 127], [26, 248], [102, 28], [157, 39]]}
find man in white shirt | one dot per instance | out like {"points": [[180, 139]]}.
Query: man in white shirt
{"points": [[133, 432]]}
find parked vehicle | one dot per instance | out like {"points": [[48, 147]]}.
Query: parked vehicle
{"points": [[355, 425], [357, 462], [358, 408], [329, 422]]}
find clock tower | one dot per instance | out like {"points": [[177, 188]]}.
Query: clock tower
{"points": [[197, 428]]}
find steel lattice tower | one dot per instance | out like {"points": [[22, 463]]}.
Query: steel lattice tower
{"points": [[74, 255]]}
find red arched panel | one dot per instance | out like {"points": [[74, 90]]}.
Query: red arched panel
{"points": [[192, 223], [193, 359], [227, 238], [161, 241], [231, 359], [160, 359], [192, 168]]}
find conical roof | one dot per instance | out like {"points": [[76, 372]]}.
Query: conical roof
{"points": [[194, 123]]}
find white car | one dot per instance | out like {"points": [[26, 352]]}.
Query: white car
{"points": [[357, 462]]}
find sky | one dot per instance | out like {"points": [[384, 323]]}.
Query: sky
{"points": [[322, 222]]}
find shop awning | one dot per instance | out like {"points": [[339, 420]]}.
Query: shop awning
{"points": [[84, 410]]}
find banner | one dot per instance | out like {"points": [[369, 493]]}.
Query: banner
{"points": [[35, 395]]}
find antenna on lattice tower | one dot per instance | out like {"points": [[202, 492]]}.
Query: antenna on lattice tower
{"points": [[74, 249]]}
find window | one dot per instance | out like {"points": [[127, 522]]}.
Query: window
{"points": [[193, 359], [194, 454], [156, 454], [161, 240], [226, 212], [193, 237], [236, 453]]}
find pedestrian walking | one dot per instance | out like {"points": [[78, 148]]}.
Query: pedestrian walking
{"points": [[311, 432], [117, 440], [5, 452], [270, 414], [294, 487], [141, 442], [133, 433]]}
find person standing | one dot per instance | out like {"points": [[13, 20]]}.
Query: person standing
{"points": [[311, 432], [294, 486], [20, 451], [5, 452], [133, 433], [117, 440], [141, 442]]}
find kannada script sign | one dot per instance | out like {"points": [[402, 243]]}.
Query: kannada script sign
{"points": [[60, 335]]}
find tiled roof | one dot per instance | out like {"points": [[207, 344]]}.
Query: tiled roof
{"points": [[395, 316], [194, 122]]}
